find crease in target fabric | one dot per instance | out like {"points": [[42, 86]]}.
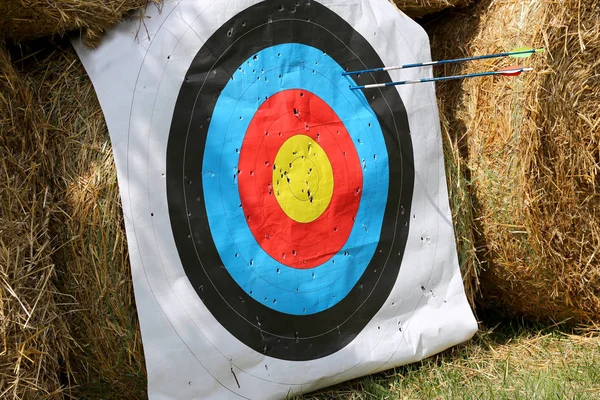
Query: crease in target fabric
{"points": [[274, 216]]}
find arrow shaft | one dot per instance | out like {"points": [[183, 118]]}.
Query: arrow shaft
{"points": [[441, 62], [439, 79]]}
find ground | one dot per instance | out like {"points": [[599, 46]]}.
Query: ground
{"points": [[506, 360]]}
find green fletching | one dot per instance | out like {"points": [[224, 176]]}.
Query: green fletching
{"points": [[525, 52], [522, 52]]}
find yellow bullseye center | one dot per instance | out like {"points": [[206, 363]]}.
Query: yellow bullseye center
{"points": [[302, 179]]}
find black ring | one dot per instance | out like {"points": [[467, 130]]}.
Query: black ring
{"points": [[276, 334]]}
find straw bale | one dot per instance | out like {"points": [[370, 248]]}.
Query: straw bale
{"points": [[61, 231], [106, 356], [419, 8], [29, 19], [461, 202], [33, 334], [532, 148]]}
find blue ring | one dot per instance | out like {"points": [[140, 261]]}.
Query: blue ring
{"points": [[281, 288]]}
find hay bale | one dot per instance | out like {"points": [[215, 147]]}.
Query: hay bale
{"points": [[532, 147], [111, 358], [461, 201], [105, 355], [61, 231], [33, 335], [30, 19], [419, 8]]}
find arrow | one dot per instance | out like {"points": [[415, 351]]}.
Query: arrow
{"points": [[509, 71], [521, 52]]}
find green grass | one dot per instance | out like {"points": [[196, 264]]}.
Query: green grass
{"points": [[512, 361]]}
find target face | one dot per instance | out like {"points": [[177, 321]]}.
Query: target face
{"points": [[289, 195], [285, 233]]}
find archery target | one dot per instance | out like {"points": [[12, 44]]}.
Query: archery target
{"points": [[283, 268], [269, 208]]}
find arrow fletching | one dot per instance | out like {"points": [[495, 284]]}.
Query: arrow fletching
{"points": [[515, 70], [508, 71], [525, 52]]}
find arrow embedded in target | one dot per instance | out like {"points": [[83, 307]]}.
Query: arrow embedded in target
{"points": [[509, 71], [521, 52]]}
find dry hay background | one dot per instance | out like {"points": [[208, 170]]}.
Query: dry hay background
{"points": [[68, 316], [31, 19], [522, 161], [527, 151], [419, 8], [34, 332]]}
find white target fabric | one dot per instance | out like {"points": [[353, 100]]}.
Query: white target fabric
{"points": [[137, 72]]}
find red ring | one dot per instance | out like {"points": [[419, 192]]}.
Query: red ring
{"points": [[298, 245]]}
